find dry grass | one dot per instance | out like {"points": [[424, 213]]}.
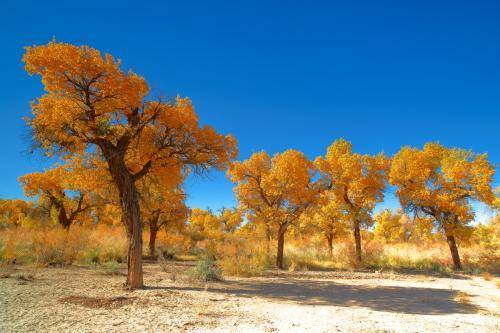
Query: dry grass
{"points": [[462, 298], [236, 255], [243, 257]]}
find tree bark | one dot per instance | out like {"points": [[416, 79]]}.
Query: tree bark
{"points": [[329, 240], [281, 245], [454, 252], [153, 231], [357, 240], [63, 219], [129, 201]]}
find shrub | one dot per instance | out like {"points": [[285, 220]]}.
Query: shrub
{"points": [[112, 268], [242, 257], [205, 270]]}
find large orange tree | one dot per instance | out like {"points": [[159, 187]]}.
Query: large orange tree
{"points": [[356, 182], [275, 191], [441, 182], [91, 103]]}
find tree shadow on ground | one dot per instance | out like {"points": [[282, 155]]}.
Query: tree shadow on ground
{"points": [[411, 300]]}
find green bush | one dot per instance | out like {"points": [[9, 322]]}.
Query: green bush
{"points": [[205, 270]]}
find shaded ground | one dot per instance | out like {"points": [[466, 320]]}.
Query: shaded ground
{"points": [[76, 299]]}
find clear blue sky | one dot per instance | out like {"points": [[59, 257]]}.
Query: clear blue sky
{"points": [[279, 74]]}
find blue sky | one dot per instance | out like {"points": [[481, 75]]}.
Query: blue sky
{"points": [[278, 75]]}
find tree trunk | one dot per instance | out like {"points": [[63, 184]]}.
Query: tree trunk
{"points": [[153, 230], [357, 240], [130, 207], [281, 245], [63, 219], [129, 201], [454, 252], [329, 239]]}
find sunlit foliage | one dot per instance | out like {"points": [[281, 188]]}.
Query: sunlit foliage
{"points": [[91, 103], [276, 190], [356, 182], [440, 182]]}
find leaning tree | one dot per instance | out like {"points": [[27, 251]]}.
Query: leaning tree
{"points": [[91, 103], [441, 182]]}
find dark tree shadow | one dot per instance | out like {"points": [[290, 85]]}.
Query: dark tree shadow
{"points": [[425, 301]]}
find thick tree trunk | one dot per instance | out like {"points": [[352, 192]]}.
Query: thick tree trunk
{"points": [[329, 240], [357, 240], [129, 201], [281, 246], [454, 252], [63, 219], [131, 213], [153, 231]]}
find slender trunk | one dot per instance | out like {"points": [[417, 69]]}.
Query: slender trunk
{"points": [[357, 240], [268, 240], [454, 252], [329, 239], [153, 230], [281, 245]]}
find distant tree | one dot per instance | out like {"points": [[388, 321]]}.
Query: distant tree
{"points": [[14, 212], [203, 224], [328, 218], [441, 182], [389, 226], [91, 104], [162, 206], [65, 188], [355, 181], [230, 219], [275, 190]]}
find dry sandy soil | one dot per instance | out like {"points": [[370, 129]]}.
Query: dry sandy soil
{"points": [[80, 299]]}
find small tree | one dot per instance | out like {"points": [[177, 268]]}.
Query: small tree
{"points": [[328, 218], [92, 104], [65, 188], [162, 207], [389, 226], [441, 183], [276, 190], [356, 181]]}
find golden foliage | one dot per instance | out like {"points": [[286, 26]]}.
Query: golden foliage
{"points": [[440, 182]]}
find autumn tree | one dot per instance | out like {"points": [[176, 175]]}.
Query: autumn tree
{"points": [[328, 218], [355, 181], [230, 219], [441, 182], [400, 227], [162, 206], [276, 190], [389, 226], [204, 224], [66, 188], [13, 213], [91, 103]]}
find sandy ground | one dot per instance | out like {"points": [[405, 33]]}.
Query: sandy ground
{"points": [[80, 299]]}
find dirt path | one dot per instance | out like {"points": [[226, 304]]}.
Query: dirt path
{"points": [[79, 299]]}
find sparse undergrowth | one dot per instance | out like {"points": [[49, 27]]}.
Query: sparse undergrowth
{"points": [[236, 256]]}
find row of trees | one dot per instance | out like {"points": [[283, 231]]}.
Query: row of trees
{"points": [[436, 185], [125, 155]]}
